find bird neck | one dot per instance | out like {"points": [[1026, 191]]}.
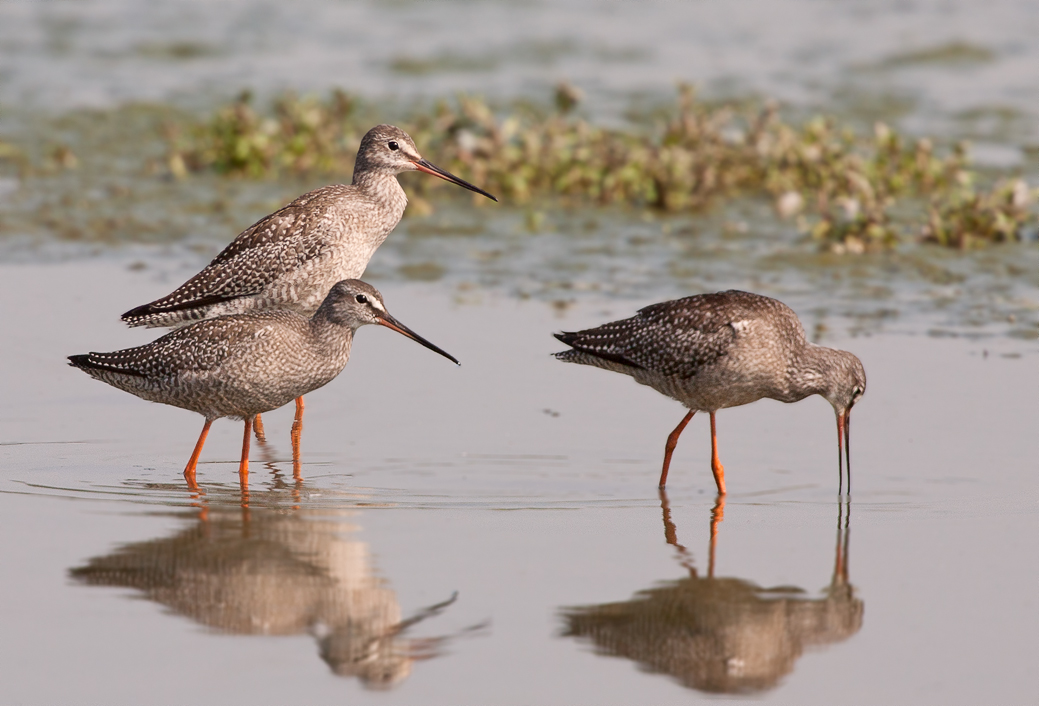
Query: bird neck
{"points": [[330, 334], [381, 186], [811, 372]]}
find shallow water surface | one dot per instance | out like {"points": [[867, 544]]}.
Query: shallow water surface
{"points": [[955, 66], [492, 533]]}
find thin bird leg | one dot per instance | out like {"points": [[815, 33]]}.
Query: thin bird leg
{"points": [[243, 466], [672, 442], [296, 433], [258, 430], [189, 470], [716, 465], [840, 455]]}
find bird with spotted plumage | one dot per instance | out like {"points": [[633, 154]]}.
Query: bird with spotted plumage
{"points": [[719, 350], [291, 258], [241, 365]]}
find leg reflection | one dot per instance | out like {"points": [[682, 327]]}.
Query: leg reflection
{"points": [[671, 534], [721, 634], [717, 515], [258, 429], [840, 566]]}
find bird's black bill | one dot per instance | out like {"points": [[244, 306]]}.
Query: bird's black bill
{"points": [[847, 445], [843, 449], [391, 323], [430, 168]]}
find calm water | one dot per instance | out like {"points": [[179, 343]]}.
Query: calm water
{"points": [[946, 66], [526, 487], [492, 534]]}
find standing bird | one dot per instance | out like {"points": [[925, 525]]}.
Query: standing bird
{"points": [[713, 351], [240, 365], [291, 258]]}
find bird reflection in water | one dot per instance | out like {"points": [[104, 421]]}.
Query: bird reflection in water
{"points": [[721, 635], [266, 567]]}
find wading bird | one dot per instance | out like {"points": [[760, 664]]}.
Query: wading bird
{"points": [[726, 349], [240, 365]]}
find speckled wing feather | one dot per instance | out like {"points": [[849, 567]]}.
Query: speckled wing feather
{"points": [[674, 338], [202, 347], [279, 243]]}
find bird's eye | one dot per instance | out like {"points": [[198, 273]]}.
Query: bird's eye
{"points": [[392, 144], [361, 299]]}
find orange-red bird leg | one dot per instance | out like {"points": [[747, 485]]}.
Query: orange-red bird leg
{"points": [[672, 442], [189, 470], [243, 466], [296, 434], [716, 465]]}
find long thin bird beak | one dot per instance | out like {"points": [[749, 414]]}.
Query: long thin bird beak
{"points": [[847, 444], [391, 323], [844, 454], [429, 168]]}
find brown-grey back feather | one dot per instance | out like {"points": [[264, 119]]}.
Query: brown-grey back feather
{"points": [[203, 347], [278, 243], [675, 338]]}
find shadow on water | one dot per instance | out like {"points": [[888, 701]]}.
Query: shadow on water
{"points": [[273, 564], [722, 635]]}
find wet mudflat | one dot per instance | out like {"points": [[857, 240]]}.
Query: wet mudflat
{"points": [[492, 533]]}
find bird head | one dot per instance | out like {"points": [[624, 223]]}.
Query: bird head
{"points": [[353, 303], [389, 149], [848, 383]]}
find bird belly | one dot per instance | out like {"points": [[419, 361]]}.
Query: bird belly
{"points": [[250, 385], [243, 396], [710, 389]]}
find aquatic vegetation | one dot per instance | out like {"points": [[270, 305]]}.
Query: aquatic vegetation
{"points": [[302, 135], [9, 154], [852, 193], [968, 217], [949, 54]]}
